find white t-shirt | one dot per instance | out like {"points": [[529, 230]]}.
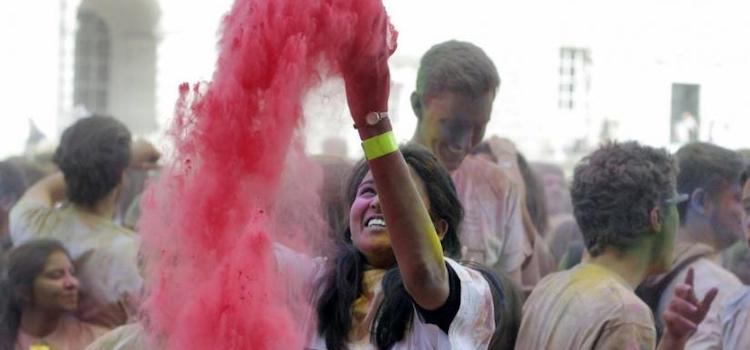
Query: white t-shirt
{"points": [[707, 274], [735, 321], [471, 328]]}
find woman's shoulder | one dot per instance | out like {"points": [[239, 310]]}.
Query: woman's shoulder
{"points": [[474, 323], [467, 274]]}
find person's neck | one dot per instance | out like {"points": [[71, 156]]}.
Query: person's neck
{"points": [[105, 208], [417, 137], [633, 267], [39, 323], [697, 231]]}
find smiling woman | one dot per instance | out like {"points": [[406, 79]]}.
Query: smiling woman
{"points": [[365, 298], [40, 294]]}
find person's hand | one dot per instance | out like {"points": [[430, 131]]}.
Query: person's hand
{"points": [[685, 312], [144, 155], [364, 64]]}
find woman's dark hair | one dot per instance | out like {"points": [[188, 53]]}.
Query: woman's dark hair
{"points": [[93, 154], [23, 264], [343, 283], [536, 200]]}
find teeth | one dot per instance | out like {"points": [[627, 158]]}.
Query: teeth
{"points": [[376, 222]]}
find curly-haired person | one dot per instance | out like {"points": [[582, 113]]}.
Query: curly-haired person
{"points": [[625, 202]]}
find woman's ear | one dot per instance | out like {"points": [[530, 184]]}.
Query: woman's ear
{"points": [[441, 226]]}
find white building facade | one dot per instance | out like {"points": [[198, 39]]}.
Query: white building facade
{"points": [[574, 72]]}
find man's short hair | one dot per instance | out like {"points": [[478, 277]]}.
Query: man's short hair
{"points": [[614, 190], [93, 154], [456, 66], [707, 166]]}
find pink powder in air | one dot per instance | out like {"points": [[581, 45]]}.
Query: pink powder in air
{"points": [[208, 223]]}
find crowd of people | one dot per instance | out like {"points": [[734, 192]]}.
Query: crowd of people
{"points": [[451, 241]]}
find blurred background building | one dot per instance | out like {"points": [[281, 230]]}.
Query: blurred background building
{"points": [[574, 72]]}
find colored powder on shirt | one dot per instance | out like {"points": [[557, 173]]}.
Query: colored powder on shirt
{"points": [[209, 223]]}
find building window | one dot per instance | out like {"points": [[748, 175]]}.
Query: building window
{"points": [[92, 59], [574, 78]]}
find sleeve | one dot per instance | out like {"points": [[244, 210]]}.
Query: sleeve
{"points": [[708, 335], [443, 316], [28, 220], [626, 336], [474, 323], [736, 323]]}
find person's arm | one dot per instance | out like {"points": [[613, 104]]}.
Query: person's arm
{"points": [[46, 191], [414, 240], [516, 245], [684, 313], [51, 189]]}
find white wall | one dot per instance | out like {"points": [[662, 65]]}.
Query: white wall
{"points": [[29, 32], [639, 48]]}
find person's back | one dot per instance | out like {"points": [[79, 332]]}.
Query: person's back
{"points": [[624, 201], [587, 307], [493, 229]]}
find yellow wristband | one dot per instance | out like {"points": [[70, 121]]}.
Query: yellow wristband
{"points": [[380, 145]]}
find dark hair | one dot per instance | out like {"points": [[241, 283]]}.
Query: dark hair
{"points": [[745, 174], [456, 66], [536, 200], [24, 263], [12, 181], [707, 166], [93, 154], [614, 190], [343, 282]]}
